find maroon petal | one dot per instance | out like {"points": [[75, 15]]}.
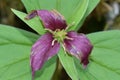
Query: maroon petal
{"points": [[79, 46], [51, 19], [42, 50]]}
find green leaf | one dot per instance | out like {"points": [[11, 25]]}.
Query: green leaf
{"points": [[68, 64], [15, 45], [73, 10], [83, 73], [92, 4], [104, 59], [77, 15], [34, 23], [107, 44]]}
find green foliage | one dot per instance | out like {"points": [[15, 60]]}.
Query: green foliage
{"points": [[34, 23], [68, 64], [65, 7], [74, 11], [106, 54], [15, 45], [92, 4], [104, 60]]}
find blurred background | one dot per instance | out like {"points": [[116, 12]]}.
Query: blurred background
{"points": [[7, 16], [105, 16]]}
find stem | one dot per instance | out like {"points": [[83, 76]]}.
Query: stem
{"points": [[57, 73]]}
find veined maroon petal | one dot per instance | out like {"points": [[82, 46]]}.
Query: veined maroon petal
{"points": [[42, 50], [79, 47], [52, 19]]}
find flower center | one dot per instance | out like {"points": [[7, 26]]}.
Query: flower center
{"points": [[59, 35]]}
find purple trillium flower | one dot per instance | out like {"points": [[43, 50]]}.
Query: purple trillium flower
{"points": [[48, 44]]}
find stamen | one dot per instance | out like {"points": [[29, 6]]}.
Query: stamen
{"points": [[49, 30], [53, 42], [57, 30], [59, 35], [68, 38], [72, 24], [64, 48]]}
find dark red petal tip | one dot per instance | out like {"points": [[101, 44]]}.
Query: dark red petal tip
{"points": [[31, 15]]}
